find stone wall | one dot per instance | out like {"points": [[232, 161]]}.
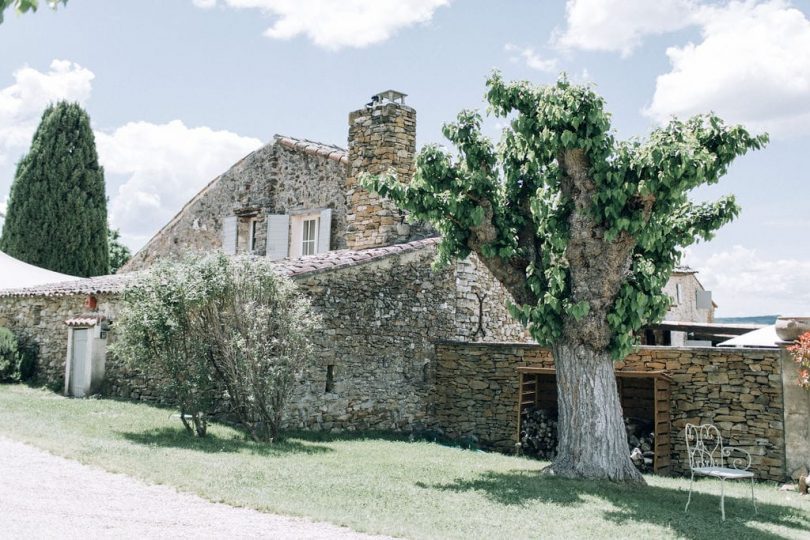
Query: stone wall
{"points": [[43, 319], [738, 390], [280, 177], [381, 138]]}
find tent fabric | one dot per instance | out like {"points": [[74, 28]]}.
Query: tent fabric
{"points": [[762, 337], [15, 274]]}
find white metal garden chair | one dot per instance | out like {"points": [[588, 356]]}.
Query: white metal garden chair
{"points": [[706, 454]]}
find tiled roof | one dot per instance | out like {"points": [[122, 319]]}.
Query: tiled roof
{"points": [[86, 319], [94, 285], [314, 148], [331, 260], [684, 270]]}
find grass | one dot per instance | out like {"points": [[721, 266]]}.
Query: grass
{"points": [[385, 485]]}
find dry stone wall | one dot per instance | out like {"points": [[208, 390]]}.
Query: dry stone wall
{"points": [[738, 390]]}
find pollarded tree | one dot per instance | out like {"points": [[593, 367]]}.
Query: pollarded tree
{"points": [[583, 231], [57, 208]]}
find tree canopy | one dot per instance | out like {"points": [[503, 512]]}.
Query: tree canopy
{"points": [[23, 6], [57, 209], [560, 178]]}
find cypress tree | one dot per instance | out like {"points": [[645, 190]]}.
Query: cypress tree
{"points": [[57, 208]]}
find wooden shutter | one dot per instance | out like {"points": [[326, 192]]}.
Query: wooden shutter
{"points": [[229, 235], [325, 231], [278, 236]]}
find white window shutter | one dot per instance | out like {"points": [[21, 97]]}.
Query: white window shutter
{"points": [[229, 235], [704, 299], [325, 230], [278, 236]]}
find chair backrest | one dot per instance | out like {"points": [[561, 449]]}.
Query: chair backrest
{"points": [[704, 446]]}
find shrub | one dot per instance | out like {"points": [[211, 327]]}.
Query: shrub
{"points": [[156, 333], [259, 327], [9, 360], [801, 354], [213, 321]]}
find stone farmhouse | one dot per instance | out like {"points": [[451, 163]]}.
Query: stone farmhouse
{"points": [[403, 346]]}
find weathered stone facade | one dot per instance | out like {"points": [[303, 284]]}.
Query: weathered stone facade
{"points": [[382, 309], [282, 177], [738, 390], [381, 138]]}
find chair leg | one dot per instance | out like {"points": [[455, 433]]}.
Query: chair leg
{"points": [[722, 499], [689, 499], [753, 500]]}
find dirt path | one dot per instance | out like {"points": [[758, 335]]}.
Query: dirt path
{"points": [[45, 496]]}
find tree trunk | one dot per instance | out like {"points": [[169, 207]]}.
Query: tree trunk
{"points": [[592, 437]]}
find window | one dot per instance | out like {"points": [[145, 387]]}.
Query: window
{"points": [[309, 240], [252, 235], [330, 378], [678, 293]]}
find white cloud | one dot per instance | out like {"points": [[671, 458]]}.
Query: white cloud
{"points": [[22, 103], [334, 24], [163, 166], [620, 25], [745, 283], [530, 57], [752, 67]]}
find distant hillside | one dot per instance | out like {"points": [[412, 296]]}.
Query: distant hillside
{"points": [[758, 319]]}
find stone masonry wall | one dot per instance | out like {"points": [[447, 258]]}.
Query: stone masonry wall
{"points": [[738, 390], [43, 319], [381, 137], [275, 179]]}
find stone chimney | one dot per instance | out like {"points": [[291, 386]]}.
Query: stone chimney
{"points": [[382, 136]]}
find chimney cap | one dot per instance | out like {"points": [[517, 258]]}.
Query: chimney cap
{"points": [[389, 95]]}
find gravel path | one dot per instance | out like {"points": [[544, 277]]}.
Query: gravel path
{"points": [[45, 496]]}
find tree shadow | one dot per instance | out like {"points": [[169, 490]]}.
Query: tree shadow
{"points": [[167, 437], [651, 504]]}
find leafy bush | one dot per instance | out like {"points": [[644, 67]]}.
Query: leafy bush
{"points": [[801, 354], [214, 321], [9, 360], [259, 327], [156, 333]]}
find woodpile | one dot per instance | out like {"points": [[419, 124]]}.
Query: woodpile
{"points": [[538, 437], [538, 434], [641, 441]]}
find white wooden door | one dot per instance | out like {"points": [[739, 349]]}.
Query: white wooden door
{"points": [[78, 363]]}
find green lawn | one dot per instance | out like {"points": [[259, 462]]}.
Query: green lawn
{"points": [[409, 489]]}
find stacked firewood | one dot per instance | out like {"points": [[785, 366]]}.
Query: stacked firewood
{"points": [[641, 440], [538, 435]]}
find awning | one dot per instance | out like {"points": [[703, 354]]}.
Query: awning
{"points": [[15, 274], [763, 337]]}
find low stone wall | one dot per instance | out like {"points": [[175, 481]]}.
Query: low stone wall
{"points": [[738, 390]]}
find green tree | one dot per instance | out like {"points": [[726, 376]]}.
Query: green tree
{"points": [[119, 253], [582, 229], [57, 209], [22, 6]]}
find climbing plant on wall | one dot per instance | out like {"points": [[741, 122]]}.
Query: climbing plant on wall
{"points": [[581, 228]]}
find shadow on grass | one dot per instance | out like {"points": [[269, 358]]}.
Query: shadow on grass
{"points": [[651, 504], [212, 443]]}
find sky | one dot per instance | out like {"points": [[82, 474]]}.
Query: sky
{"points": [[179, 90]]}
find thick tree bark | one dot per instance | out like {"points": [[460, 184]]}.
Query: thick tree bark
{"points": [[592, 437]]}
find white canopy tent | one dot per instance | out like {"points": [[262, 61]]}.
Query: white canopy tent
{"points": [[15, 274], [762, 337]]}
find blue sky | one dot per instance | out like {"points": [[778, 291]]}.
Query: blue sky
{"points": [[178, 90]]}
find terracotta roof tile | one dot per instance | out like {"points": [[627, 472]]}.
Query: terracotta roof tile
{"points": [[329, 151], [94, 285]]}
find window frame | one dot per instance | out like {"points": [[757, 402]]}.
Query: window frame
{"points": [[309, 245]]}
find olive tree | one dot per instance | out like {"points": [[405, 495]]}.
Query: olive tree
{"points": [[582, 229]]}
